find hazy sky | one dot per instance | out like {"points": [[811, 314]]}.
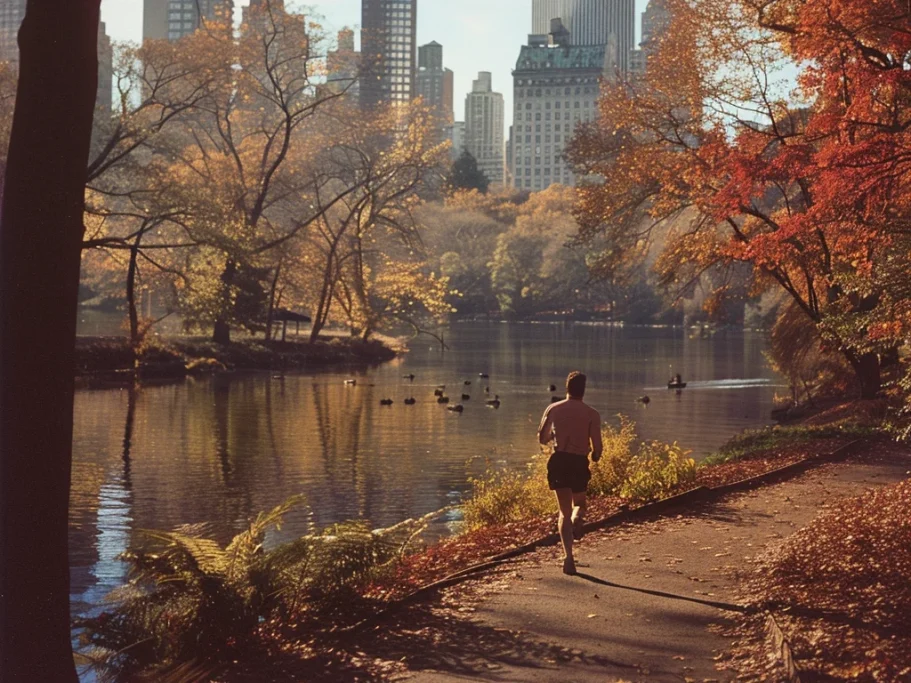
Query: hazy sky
{"points": [[477, 35]]}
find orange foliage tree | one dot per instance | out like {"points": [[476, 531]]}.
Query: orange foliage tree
{"points": [[781, 131]]}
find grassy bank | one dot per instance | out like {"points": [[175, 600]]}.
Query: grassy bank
{"points": [[112, 358], [240, 607]]}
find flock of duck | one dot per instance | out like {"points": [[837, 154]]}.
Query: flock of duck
{"points": [[439, 393]]}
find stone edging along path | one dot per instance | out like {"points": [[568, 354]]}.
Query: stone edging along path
{"points": [[781, 648], [659, 508]]}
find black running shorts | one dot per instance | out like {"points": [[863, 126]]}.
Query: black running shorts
{"points": [[568, 471]]}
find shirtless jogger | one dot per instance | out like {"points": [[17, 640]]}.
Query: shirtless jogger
{"points": [[576, 428]]}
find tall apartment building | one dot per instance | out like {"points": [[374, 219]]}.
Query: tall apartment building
{"points": [[556, 87], [342, 66], [258, 8], [656, 20], [456, 136], [591, 22], [388, 50], [484, 120], [174, 19], [105, 69], [434, 83], [12, 12]]}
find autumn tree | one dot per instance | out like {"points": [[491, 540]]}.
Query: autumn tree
{"points": [[41, 226], [461, 234], [534, 265], [367, 238], [807, 186], [133, 221], [239, 150]]}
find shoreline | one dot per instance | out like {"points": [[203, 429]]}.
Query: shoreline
{"points": [[111, 360]]}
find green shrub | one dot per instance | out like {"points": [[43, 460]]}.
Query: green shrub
{"points": [[656, 471], [611, 472], [502, 495], [641, 474]]}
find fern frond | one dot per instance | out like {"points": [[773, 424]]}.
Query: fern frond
{"points": [[187, 550], [245, 548]]}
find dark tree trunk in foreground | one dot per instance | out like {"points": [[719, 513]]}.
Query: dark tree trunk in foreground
{"points": [[41, 228]]}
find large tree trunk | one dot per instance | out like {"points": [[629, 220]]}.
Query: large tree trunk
{"points": [[41, 229], [131, 296]]}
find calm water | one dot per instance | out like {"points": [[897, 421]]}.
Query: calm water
{"points": [[222, 449]]}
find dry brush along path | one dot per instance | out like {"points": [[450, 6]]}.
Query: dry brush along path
{"points": [[652, 599]]}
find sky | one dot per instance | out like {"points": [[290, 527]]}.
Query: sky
{"points": [[477, 35]]}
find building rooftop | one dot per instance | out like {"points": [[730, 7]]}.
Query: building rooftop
{"points": [[536, 58]]}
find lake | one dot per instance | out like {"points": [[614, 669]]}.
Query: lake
{"points": [[221, 449]]}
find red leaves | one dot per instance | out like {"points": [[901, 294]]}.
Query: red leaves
{"points": [[845, 581]]}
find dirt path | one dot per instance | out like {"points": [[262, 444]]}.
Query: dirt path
{"points": [[648, 602]]}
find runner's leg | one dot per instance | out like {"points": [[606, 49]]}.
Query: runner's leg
{"points": [[578, 517], [565, 502]]}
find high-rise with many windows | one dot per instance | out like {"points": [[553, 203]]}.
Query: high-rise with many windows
{"points": [[656, 21], [174, 19], [388, 51], [434, 82], [484, 128], [434, 85], [556, 87], [591, 22], [342, 66]]}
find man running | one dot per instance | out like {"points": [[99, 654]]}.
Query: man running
{"points": [[576, 429]]}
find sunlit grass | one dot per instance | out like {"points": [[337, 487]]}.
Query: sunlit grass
{"points": [[637, 472]]}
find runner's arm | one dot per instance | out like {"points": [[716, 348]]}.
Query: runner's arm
{"points": [[546, 428], [595, 436]]}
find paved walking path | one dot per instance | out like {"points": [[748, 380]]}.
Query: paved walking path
{"points": [[647, 599]]}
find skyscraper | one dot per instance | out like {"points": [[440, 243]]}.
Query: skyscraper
{"points": [[388, 49], [342, 66], [434, 83], [456, 136], [556, 87], [259, 8], [105, 69], [484, 127], [656, 20], [174, 19], [591, 22]]}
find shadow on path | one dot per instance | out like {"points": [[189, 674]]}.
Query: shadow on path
{"points": [[428, 639], [672, 596]]}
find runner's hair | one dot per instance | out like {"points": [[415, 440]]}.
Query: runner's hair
{"points": [[575, 384]]}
